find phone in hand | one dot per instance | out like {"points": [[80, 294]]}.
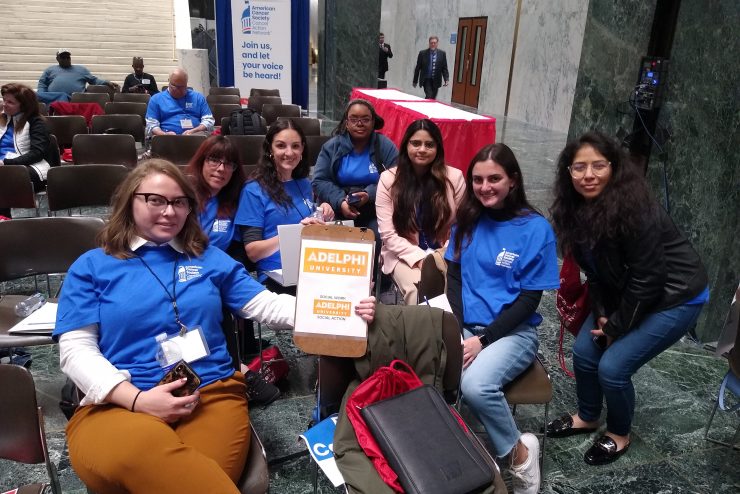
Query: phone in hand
{"points": [[354, 200], [178, 371]]}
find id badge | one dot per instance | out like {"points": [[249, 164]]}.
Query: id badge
{"points": [[145, 82], [186, 123], [189, 347]]}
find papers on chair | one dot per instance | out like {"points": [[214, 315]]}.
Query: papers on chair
{"points": [[319, 440], [41, 321], [440, 302]]}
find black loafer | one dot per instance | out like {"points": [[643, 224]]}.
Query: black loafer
{"points": [[603, 451], [563, 427]]}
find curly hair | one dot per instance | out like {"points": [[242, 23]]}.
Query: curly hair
{"points": [[409, 191], [470, 209], [26, 99], [116, 236], [341, 128], [266, 174], [218, 147], [622, 207]]}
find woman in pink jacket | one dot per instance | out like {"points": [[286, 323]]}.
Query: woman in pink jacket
{"points": [[416, 204]]}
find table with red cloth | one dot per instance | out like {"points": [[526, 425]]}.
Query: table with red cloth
{"points": [[463, 133]]}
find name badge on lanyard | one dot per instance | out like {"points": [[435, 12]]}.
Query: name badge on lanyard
{"points": [[190, 346]]}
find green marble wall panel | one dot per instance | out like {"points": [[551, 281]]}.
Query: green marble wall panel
{"points": [[348, 51]]}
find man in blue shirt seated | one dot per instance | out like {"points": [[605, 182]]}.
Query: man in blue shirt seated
{"points": [[58, 82], [178, 110]]}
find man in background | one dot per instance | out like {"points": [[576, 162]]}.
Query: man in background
{"points": [[58, 82], [384, 54], [178, 110], [431, 68], [139, 81]]}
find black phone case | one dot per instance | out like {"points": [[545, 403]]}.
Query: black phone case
{"points": [[178, 371]]}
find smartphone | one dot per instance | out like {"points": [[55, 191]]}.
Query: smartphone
{"points": [[178, 371], [354, 200], [600, 341]]}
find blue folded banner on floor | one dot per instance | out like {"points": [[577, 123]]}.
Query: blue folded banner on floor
{"points": [[319, 440]]}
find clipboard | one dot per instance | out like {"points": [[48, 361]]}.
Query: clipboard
{"points": [[334, 274]]}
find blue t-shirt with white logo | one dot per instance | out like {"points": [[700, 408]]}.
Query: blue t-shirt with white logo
{"points": [[256, 208], [501, 259], [169, 113], [221, 231], [130, 307], [357, 169]]}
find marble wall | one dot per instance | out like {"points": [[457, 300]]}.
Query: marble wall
{"points": [[348, 51], [698, 168], [546, 60], [195, 62]]}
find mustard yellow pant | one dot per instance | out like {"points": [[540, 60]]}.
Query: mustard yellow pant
{"points": [[114, 450]]}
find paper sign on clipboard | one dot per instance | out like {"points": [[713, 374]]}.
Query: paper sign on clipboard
{"points": [[336, 265]]}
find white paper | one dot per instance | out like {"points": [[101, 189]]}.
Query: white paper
{"points": [[332, 279], [41, 321], [441, 302]]}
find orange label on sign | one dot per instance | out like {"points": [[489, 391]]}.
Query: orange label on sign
{"points": [[335, 261], [324, 307]]}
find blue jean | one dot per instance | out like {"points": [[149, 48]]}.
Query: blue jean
{"points": [[483, 381], [607, 374]]}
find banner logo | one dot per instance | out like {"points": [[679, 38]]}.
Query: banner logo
{"points": [[335, 261]]}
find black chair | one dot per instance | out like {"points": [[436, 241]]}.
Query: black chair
{"points": [[99, 98], [126, 108], [101, 88], [224, 90], [255, 102], [250, 148], [118, 124], [16, 189], [131, 98], [271, 112], [43, 109], [223, 110], [222, 99], [65, 127], [263, 92], [310, 126], [313, 147], [178, 149], [112, 149], [82, 185]]}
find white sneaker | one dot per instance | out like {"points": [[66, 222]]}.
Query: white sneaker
{"points": [[525, 478]]}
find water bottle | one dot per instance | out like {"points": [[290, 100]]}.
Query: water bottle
{"points": [[24, 308], [318, 213], [168, 352]]}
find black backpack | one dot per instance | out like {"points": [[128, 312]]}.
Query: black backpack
{"points": [[246, 122]]}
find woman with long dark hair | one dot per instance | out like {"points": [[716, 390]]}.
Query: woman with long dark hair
{"points": [[277, 193], [416, 205], [501, 257], [647, 285]]}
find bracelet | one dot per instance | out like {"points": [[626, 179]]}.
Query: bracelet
{"points": [[133, 404]]}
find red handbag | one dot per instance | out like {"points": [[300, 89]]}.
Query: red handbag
{"points": [[275, 368], [572, 303]]}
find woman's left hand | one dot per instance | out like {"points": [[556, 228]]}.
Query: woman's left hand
{"points": [[311, 221], [327, 211], [471, 348], [366, 309], [598, 333]]}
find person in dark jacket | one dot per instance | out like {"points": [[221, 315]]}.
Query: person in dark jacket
{"points": [[384, 53], [431, 68], [350, 163], [647, 285], [139, 81]]}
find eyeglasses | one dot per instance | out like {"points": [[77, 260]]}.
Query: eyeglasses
{"points": [[214, 162], [599, 168], [175, 86], [362, 120], [159, 202]]}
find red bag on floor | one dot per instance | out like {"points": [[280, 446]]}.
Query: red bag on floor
{"points": [[276, 367], [572, 303]]}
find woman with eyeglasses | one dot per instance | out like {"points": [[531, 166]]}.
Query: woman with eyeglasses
{"points": [[277, 193], [416, 205], [350, 163], [156, 274], [646, 285]]}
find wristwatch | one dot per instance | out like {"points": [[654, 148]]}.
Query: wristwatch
{"points": [[484, 342]]}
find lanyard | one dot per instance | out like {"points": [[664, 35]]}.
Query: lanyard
{"points": [[173, 297], [292, 203]]}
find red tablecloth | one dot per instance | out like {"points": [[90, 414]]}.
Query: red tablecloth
{"points": [[463, 133]]}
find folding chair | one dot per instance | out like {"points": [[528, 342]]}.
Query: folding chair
{"points": [[43, 109], [131, 98], [255, 102], [222, 99], [82, 185], [271, 112], [16, 189], [65, 127], [113, 149], [99, 98], [178, 149], [250, 148], [224, 90], [223, 110], [263, 92], [310, 126], [118, 124], [126, 108], [101, 88], [313, 147]]}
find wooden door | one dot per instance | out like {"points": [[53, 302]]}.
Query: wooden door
{"points": [[471, 41]]}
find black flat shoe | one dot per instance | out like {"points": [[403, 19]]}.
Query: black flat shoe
{"points": [[563, 427], [603, 451]]}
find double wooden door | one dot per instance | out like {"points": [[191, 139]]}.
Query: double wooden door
{"points": [[471, 40]]}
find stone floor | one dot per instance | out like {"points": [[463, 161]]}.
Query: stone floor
{"points": [[674, 398]]}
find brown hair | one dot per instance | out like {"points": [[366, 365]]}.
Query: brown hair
{"points": [[28, 102], [116, 236], [228, 197]]}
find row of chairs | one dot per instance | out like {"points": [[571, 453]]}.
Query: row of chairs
{"points": [[252, 92]]}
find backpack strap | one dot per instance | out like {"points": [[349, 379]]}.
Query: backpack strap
{"points": [[240, 123], [378, 158]]}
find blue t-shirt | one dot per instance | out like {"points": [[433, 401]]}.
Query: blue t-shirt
{"points": [[357, 169], [257, 209], [221, 231], [131, 308], [168, 113], [503, 258], [6, 142]]}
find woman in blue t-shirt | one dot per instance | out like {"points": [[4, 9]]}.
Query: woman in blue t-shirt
{"points": [[501, 257], [278, 193], [155, 273]]}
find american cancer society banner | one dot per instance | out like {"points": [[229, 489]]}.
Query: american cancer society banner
{"points": [[261, 32]]}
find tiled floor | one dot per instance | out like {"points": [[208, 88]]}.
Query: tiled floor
{"points": [[674, 394]]}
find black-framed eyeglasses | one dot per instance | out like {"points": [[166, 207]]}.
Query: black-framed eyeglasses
{"points": [[361, 120], [214, 162], [160, 202]]}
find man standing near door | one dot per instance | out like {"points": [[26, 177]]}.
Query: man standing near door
{"points": [[384, 54], [431, 68]]}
